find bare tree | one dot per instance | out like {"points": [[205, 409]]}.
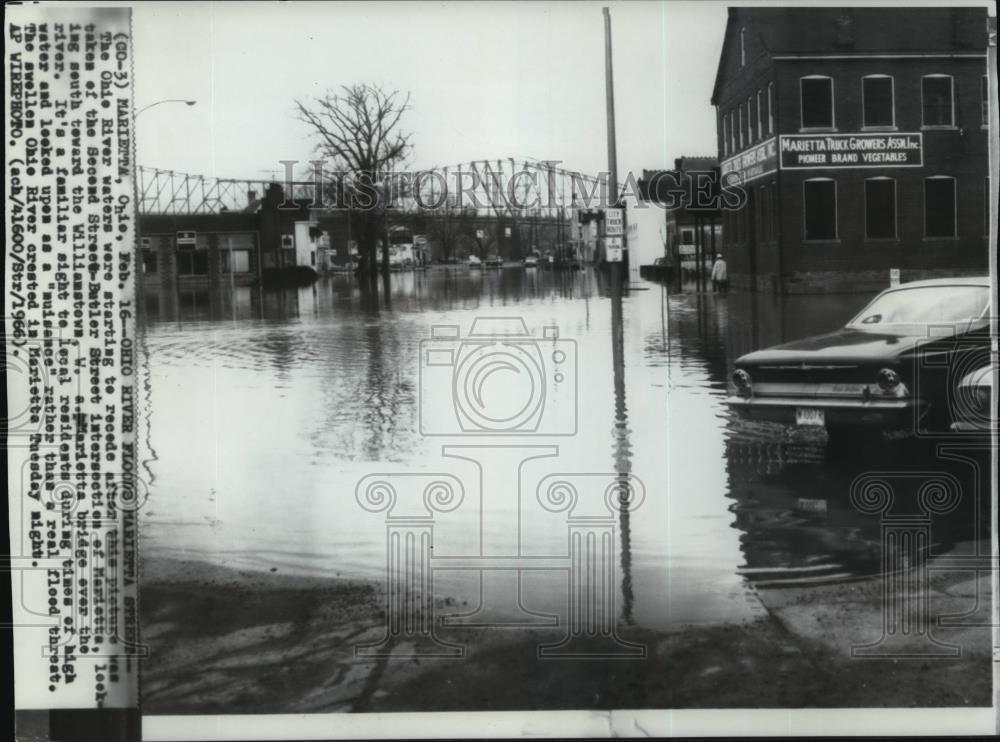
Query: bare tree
{"points": [[359, 132], [447, 224], [484, 233]]}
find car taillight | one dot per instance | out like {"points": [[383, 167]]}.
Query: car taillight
{"points": [[890, 383], [742, 382]]}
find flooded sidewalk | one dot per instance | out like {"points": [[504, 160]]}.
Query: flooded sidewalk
{"points": [[743, 569]]}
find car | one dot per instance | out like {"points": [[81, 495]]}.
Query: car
{"points": [[494, 261], [475, 262], [531, 262], [896, 365], [972, 408]]}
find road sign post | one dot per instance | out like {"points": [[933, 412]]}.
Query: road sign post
{"points": [[614, 229]]}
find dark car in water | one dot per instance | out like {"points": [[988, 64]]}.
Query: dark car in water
{"points": [[897, 365]]}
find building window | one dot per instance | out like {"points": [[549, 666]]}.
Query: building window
{"points": [[732, 131], [147, 255], [749, 121], [739, 110], [938, 100], [986, 206], [774, 210], [687, 236], [880, 209], [743, 47], [192, 263], [760, 127], [939, 206], [725, 135], [819, 202], [877, 101], [770, 108], [236, 261], [984, 92], [764, 215], [816, 94]]}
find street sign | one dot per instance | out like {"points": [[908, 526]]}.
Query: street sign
{"points": [[613, 249], [614, 222]]}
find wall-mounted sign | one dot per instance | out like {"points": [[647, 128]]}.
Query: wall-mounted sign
{"points": [[613, 249], [756, 162], [808, 151], [614, 222]]}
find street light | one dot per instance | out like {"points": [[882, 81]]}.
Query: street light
{"points": [[166, 100]]}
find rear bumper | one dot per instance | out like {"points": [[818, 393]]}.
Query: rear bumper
{"points": [[886, 413]]}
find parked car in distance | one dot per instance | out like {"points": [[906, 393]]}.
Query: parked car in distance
{"points": [[896, 365], [972, 408], [494, 261], [475, 262], [531, 262]]}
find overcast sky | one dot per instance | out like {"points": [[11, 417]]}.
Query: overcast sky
{"points": [[487, 80]]}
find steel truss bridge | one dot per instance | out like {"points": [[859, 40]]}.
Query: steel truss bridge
{"points": [[511, 187]]}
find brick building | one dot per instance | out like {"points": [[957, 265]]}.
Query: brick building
{"points": [[693, 229], [860, 136], [229, 247]]}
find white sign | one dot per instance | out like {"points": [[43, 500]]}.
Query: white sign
{"points": [[893, 277], [613, 249], [614, 222]]}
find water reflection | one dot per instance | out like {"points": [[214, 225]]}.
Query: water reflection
{"points": [[622, 450], [264, 408]]}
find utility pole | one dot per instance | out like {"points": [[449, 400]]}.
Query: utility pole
{"points": [[609, 90]]}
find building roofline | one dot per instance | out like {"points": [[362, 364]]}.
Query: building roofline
{"points": [[723, 54]]}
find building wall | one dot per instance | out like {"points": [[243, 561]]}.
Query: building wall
{"points": [[160, 232], [853, 261], [775, 255], [276, 219]]}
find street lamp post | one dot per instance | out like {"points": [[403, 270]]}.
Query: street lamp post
{"points": [[166, 100]]}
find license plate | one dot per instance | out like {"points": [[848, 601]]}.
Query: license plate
{"points": [[809, 416]]}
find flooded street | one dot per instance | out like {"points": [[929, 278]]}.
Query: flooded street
{"points": [[267, 408]]}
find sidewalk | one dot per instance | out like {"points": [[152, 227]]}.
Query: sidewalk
{"points": [[225, 641]]}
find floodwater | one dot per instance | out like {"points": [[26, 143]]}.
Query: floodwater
{"points": [[272, 416]]}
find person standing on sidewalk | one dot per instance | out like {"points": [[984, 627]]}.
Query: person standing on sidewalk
{"points": [[720, 278]]}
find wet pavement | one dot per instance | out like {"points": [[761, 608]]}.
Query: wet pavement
{"points": [[266, 409]]}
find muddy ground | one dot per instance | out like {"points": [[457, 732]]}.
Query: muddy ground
{"points": [[229, 641]]}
